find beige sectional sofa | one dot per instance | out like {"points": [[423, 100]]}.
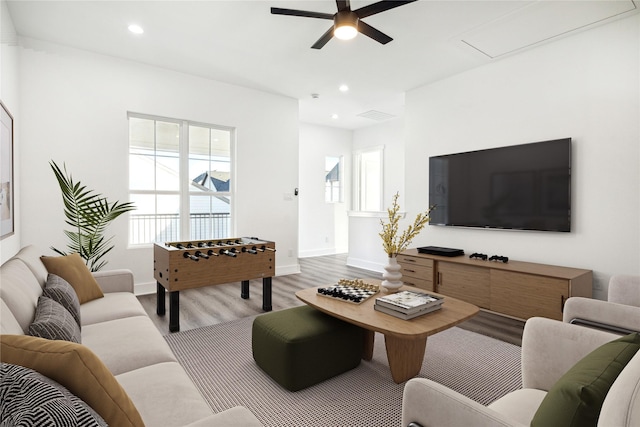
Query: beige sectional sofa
{"points": [[117, 330]]}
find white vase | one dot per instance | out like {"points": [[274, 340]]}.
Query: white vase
{"points": [[392, 276]]}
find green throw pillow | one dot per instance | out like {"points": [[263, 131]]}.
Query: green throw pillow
{"points": [[576, 399]]}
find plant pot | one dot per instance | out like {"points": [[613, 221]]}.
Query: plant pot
{"points": [[392, 276]]}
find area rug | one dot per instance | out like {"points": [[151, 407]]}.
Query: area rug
{"points": [[218, 359]]}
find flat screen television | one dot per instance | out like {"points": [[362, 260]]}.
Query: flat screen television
{"points": [[520, 187]]}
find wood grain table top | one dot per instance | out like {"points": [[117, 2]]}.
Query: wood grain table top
{"points": [[453, 312]]}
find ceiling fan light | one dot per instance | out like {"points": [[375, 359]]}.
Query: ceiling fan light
{"points": [[346, 32], [345, 25]]}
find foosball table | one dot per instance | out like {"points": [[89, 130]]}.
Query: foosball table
{"points": [[179, 266]]}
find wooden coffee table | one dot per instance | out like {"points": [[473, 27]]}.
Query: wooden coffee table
{"points": [[405, 340]]}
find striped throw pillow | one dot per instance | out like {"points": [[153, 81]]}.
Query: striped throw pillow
{"points": [[63, 293], [31, 399], [52, 321]]}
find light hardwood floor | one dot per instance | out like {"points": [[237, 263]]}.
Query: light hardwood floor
{"points": [[222, 303]]}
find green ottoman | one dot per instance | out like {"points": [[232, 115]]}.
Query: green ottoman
{"points": [[299, 347]]}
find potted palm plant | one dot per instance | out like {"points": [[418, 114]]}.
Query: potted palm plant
{"points": [[89, 213]]}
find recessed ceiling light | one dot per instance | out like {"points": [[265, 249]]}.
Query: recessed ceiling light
{"points": [[136, 29], [344, 88], [334, 116]]}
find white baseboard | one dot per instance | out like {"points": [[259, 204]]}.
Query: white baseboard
{"points": [[316, 252], [285, 270], [365, 264], [144, 288], [150, 287]]}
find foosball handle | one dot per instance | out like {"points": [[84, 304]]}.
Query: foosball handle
{"points": [[227, 253], [191, 257]]}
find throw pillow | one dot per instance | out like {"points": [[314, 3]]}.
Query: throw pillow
{"points": [[63, 293], [72, 269], [576, 399], [78, 369], [52, 321], [31, 399]]}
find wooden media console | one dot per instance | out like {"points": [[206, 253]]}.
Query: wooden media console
{"points": [[518, 289], [185, 265]]}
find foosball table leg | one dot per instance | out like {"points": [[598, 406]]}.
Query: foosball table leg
{"points": [[244, 289], [174, 311], [160, 303], [266, 294]]}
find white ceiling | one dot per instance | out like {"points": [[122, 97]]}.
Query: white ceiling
{"points": [[242, 43]]}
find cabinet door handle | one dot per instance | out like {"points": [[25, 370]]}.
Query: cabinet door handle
{"points": [[409, 270], [562, 301], [409, 259]]}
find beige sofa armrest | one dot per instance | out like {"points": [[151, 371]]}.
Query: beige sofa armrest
{"points": [[550, 348], [234, 417], [608, 313], [114, 280], [431, 405]]}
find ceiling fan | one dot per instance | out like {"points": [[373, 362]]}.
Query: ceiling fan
{"points": [[347, 23]]}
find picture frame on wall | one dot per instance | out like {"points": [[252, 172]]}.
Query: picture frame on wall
{"points": [[7, 221]]}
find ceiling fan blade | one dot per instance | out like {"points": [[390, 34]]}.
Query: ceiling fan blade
{"points": [[303, 13], [343, 5], [380, 6], [324, 39], [369, 31]]}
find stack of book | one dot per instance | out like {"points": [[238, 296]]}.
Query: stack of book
{"points": [[408, 304]]}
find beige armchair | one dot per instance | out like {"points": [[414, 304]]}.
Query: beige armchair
{"points": [[549, 349], [624, 289], [619, 314]]}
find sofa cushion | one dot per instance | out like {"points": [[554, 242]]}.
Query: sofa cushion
{"points": [[621, 407], [238, 416], [577, 397], [63, 293], [519, 405], [127, 344], [72, 269], [8, 322], [114, 305], [20, 291], [165, 395], [54, 322], [78, 369], [31, 399], [30, 256]]}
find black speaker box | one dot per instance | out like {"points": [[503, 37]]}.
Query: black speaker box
{"points": [[436, 250]]}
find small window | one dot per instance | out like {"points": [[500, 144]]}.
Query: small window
{"points": [[368, 179], [333, 179]]}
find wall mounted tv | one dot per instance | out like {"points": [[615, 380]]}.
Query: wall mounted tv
{"points": [[520, 187]]}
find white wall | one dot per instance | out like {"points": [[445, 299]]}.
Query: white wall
{"points": [[74, 110], [9, 78], [585, 87], [323, 226], [365, 245]]}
